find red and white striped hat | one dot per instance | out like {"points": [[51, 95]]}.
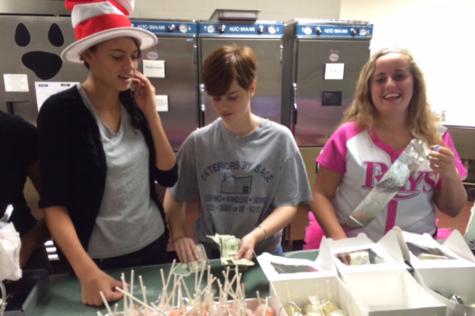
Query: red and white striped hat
{"points": [[95, 21]]}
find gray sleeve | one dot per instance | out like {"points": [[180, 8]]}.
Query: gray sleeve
{"points": [[186, 187], [293, 187]]}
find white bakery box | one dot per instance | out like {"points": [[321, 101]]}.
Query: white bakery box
{"points": [[444, 269], [378, 278], [295, 280]]}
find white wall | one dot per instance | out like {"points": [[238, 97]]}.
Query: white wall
{"points": [[440, 34], [270, 9]]}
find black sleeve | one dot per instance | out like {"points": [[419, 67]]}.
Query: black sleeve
{"points": [[20, 143], [166, 178], [29, 139], [53, 153], [28, 152], [22, 218]]}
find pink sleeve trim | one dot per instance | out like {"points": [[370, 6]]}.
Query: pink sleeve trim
{"points": [[447, 139], [333, 154]]}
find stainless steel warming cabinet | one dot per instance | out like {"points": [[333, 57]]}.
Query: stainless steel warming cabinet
{"points": [[322, 61], [172, 67]]}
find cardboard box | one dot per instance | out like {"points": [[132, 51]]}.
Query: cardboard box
{"points": [[392, 293], [441, 277], [309, 280], [299, 291], [331, 252], [384, 287]]}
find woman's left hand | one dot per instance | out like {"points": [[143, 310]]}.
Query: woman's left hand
{"points": [[442, 161], [144, 94], [248, 243]]}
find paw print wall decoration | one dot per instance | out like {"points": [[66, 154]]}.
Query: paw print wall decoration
{"points": [[30, 53], [44, 64]]}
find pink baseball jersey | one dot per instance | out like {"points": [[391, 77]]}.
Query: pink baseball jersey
{"points": [[363, 158]]}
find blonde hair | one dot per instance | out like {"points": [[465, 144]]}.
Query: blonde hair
{"points": [[421, 118]]}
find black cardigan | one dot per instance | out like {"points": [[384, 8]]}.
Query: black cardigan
{"points": [[72, 160]]}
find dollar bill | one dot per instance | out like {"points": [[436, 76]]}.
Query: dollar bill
{"points": [[186, 269], [228, 248]]}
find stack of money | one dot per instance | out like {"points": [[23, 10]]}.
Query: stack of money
{"points": [[228, 248]]}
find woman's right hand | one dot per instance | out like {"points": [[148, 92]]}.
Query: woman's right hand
{"points": [[92, 279], [96, 282], [185, 248]]}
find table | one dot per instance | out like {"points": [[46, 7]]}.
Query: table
{"points": [[62, 296]]}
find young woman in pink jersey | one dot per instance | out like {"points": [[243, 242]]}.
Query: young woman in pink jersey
{"points": [[389, 109]]}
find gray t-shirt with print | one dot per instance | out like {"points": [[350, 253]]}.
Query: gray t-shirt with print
{"points": [[240, 180]]}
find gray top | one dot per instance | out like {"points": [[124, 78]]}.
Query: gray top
{"points": [[128, 218], [240, 180]]}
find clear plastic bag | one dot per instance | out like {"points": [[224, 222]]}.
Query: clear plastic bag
{"points": [[9, 252]]}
